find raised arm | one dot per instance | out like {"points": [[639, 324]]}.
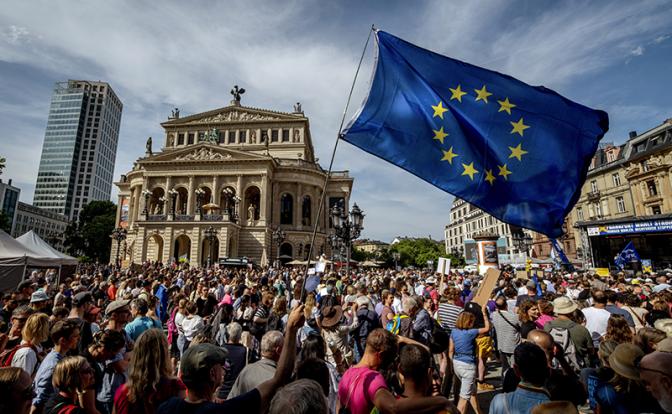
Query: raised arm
{"points": [[486, 319]]}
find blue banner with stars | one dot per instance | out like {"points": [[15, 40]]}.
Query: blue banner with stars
{"points": [[519, 152]]}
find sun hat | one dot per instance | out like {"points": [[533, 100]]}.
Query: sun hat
{"points": [[665, 345], [39, 296], [331, 316], [563, 305], [664, 325], [622, 360]]}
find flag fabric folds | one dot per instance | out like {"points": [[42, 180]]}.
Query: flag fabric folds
{"points": [[519, 152], [629, 254], [556, 251]]}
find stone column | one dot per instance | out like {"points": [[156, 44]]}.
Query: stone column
{"points": [[214, 190], [166, 195], [190, 196], [263, 199], [297, 205], [242, 213]]}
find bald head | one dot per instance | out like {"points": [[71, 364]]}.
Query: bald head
{"points": [[656, 374], [543, 340]]}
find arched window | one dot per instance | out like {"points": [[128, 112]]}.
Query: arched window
{"points": [[305, 211], [252, 199], [286, 209]]}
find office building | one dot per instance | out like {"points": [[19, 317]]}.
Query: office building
{"points": [[9, 201], [80, 147]]}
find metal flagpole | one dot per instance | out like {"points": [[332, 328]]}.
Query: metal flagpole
{"points": [[331, 163]]}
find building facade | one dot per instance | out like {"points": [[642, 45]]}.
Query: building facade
{"points": [[375, 247], [80, 147], [467, 221], [627, 196], [48, 225], [9, 202], [222, 182]]}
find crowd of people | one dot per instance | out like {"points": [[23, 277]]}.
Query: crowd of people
{"points": [[173, 339]]}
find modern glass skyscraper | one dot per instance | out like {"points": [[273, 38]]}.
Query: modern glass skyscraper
{"points": [[80, 147]]}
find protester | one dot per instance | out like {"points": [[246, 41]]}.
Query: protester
{"points": [[16, 391], [303, 396], [264, 369], [27, 354], [72, 376]]}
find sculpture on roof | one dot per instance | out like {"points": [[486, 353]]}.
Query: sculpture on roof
{"points": [[236, 92], [148, 147], [297, 108]]}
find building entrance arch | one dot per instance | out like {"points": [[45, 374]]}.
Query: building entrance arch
{"points": [[182, 250]]}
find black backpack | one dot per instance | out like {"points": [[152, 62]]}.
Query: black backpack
{"points": [[440, 339]]}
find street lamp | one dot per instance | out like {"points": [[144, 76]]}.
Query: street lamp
{"points": [[146, 194], [199, 195], [396, 256], [347, 228], [173, 198], [211, 235], [118, 234], [278, 237]]}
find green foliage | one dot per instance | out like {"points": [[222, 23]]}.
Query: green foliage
{"points": [[417, 252], [90, 236], [5, 223], [359, 255]]}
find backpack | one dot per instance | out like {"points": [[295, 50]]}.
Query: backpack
{"points": [[394, 324], [440, 338], [563, 338], [7, 356]]}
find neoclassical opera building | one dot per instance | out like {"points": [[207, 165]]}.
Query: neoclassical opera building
{"points": [[222, 183]]}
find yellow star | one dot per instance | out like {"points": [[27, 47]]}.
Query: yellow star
{"points": [[482, 94], [440, 135], [503, 171], [519, 127], [506, 106], [439, 110], [469, 170], [489, 177], [517, 152], [457, 93], [449, 155]]}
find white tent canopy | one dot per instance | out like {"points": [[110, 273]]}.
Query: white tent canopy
{"points": [[14, 259], [35, 243]]}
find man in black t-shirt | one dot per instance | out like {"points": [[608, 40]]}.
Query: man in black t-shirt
{"points": [[203, 369]]}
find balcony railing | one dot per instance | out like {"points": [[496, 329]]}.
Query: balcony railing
{"points": [[156, 217], [594, 195], [212, 217], [184, 217]]}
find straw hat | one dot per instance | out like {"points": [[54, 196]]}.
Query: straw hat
{"points": [[664, 325], [622, 360]]}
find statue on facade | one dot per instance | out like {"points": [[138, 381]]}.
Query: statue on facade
{"points": [[236, 92], [297, 135], [251, 210], [212, 136], [175, 114], [148, 146], [297, 108], [253, 136]]}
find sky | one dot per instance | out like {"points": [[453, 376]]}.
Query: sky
{"points": [[610, 55]]}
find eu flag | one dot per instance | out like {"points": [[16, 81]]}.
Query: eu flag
{"points": [[519, 152]]}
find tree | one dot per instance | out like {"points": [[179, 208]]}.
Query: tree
{"points": [[416, 252], [90, 235], [5, 223]]}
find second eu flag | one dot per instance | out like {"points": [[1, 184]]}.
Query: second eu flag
{"points": [[519, 152]]}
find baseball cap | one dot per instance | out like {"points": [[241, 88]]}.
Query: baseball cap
{"points": [[198, 358], [81, 298], [116, 305], [39, 296]]}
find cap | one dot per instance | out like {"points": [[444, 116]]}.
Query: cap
{"points": [[467, 282], [563, 305], [81, 298], [39, 296], [200, 357], [116, 305]]}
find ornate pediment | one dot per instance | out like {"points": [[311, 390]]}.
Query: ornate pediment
{"points": [[203, 154], [233, 114]]}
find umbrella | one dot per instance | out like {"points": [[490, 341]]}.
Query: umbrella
{"points": [[370, 263], [210, 206], [296, 262]]}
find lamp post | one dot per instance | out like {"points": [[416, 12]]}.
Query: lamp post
{"points": [[211, 235], [396, 256], [118, 234], [199, 196], [173, 199], [278, 237], [347, 227], [146, 194]]}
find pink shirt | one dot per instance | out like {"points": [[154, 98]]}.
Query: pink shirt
{"points": [[361, 385], [541, 321]]}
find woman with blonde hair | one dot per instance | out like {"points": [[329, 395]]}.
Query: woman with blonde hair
{"points": [[72, 376], [150, 381], [27, 354]]}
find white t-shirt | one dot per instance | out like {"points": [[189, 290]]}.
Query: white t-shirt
{"points": [[26, 359], [596, 322]]}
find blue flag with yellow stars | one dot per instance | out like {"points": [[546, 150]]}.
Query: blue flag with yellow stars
{"points": [[519, 152]]}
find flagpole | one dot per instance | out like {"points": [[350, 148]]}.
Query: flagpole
{"points": [[331, 164]]}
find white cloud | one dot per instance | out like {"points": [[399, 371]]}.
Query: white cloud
{"points": [[16, 34], [638, 51]]}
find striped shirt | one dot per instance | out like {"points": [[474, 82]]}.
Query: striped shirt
{"points": [[448, 314], [508, 337]]}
